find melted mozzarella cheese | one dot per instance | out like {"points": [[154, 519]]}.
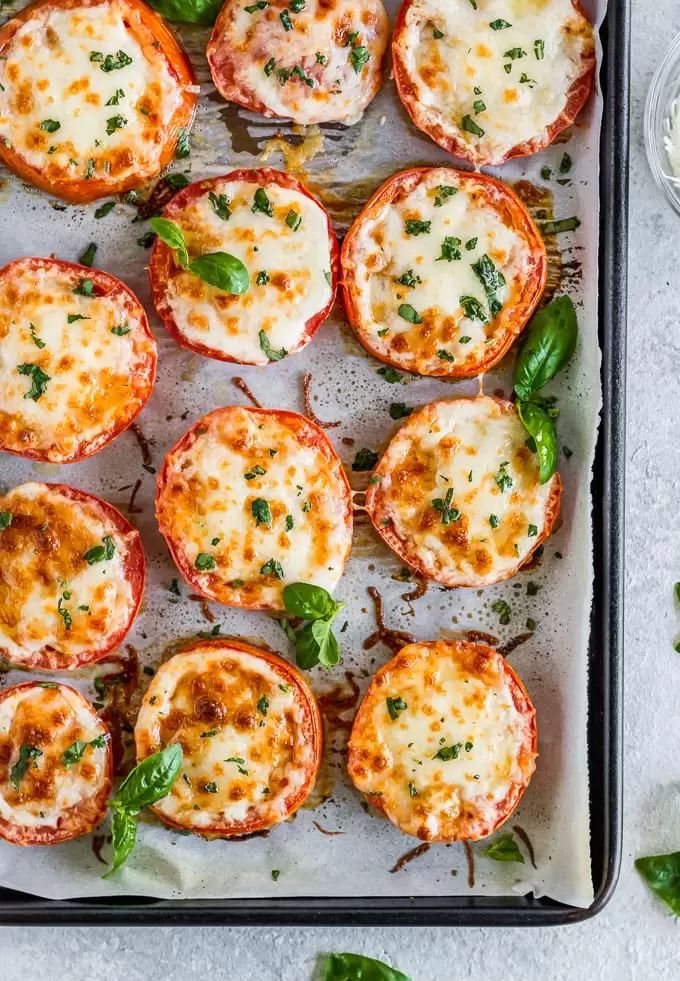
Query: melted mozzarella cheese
{"points": [[49, 720], [94, 375], [257, 495], [473, 450], [443, 768], [295, 262], [80, 95], [510, 83], [436, 272], [50, 596], [242, 728], [312, 73]]}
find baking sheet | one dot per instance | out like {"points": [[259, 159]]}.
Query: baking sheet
{"points": [[343, 166]]}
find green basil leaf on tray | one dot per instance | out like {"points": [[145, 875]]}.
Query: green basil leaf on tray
{"points": [[504, 849], [190, 11], [662, 875], [305, 600], [150, 780], [328, 653], [223, 271], [356, 967], [315, 642], [541, 428], [548, 343], [123, 838]]}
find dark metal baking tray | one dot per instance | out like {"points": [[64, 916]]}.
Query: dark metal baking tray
{"points": [[605, 652]]}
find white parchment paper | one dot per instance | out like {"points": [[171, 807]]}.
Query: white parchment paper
{"points": [[349, 164]]}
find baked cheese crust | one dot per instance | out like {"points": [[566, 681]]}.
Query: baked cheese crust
{"points": [[77, 359], [93, 94], [441, 271], [444, 742], [313, 62], [55, 764], [496, 78], [283, 236], [457, 494], [250, 731], [71, 576], [252, 499]]}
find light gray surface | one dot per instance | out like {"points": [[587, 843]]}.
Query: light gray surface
{"points": [[633, 938]]}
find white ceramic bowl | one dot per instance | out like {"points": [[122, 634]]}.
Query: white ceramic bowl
{"points": [[662, 125]]}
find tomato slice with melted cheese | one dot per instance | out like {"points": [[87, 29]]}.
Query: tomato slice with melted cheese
{"points": [[250, 500], [312, 62], [250, 730], [77, 359], [444, 743], [493, 79], [55, 764], [94, 95], [285, 239], [441, 271], [72, 574], [457, 494]]}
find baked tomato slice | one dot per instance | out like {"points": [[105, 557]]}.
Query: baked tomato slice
{"points": [[55, 764], [284, 237], [441, 271], [312, 62], [460, 778], [250, 500], [94, 96], [457, 494], [251, 735], [72, 574], [77, 359], [495, 80]]}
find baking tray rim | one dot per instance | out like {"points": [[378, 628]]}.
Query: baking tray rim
{"points": [[605, 655]]}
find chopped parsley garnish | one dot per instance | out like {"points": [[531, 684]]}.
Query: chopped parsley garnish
{"points": [[121, 330], [111, 63], [85, 288], [499, 24], [34, 337], [395, 706], [290, 523], [532, 531], [390, 374], [71, 318], [263, 705], [514, 53], [468, 125], [101, 553], [365, 459], [412, 792], [447, 753], [293, 220], [531, 624], [285, 20], [407, 312], [269, 67], [116, 97], [253, 7], [5, 519], [89, 173], [525, 80], [87, 258], [539, 49], [115, 122], [39, 380], [261, 512], [445, 355], [437, 34], [262, 278], [256, 471], [271, 352], [473, 309], [415, 226], [63, 612], [492, 279], [321, 59], [76, 750], [399, 410], [503, 478], [464, 339], [240, 764], [408, 279], [471, 244], [210, 787], [478, 106], [272, 568], [444, 191], [105, 209], [220, 205], [20, 768], [183, 148], [204, 562], [503, 610], [262, 203], [358, 57], [50, 125], [450, 249], [494, 520], [448, 513]]}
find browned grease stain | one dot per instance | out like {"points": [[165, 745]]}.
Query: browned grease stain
{"points": [[247, 391], [325, 831], [296, 148], [338, 706], [144, 445], [123, 694], [508, 648], [131, 508], [484, 638], [470, 858], [205, 609], [521, 833], [409, 856], [540, 203], [152, 199], [309, 410], [394, 639], [97, 843]]}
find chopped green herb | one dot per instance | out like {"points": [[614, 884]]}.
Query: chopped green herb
{"points": [[105, 209], [499, 25], [494, 520], [412, 792], [210, 787], [5, 519], [116, 97], [290, 522], [443, 191], [358, 57], [263, 705], [503, 478], [399, 410], [115, 122], [256, 471], [111, 63], [493, 281], [220, 205], [468, 125], [269, 67], [272, 568], [437, 34], [503, 610], [39, 380], [321, 59], [532, 531], [546, 173], [365, 459], [514, 53], [445, 355], [50, 125], [478, 106], [262, 203], [122, 330], [407, 312], [39, 343], [183, 148], [20, 768], [275, 874], [293, 220], [395, 706], [473, 309], [447, 512], [450, 249], [261, 512], [286, 21], [531, 624], [408, 279], [204, 562], [447, 753], [539, 49], [416, 227], [390, 375], [253, 7], [271, 353], [101, 553]]}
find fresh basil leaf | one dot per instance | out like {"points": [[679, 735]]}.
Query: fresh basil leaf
{"points": [[329, 652], [309, 602], [271, 352], [87, 258], [504, 849], [547, 345], [365, 459], [190, 11], [173, 236], [21, 767], [39, 380], [150, 780], [223, 271], [123, 838], [306, 647], [356, 967], [540, 426], [74, 753], [662, 875]]}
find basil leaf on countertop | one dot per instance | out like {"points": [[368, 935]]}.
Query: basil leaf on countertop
{"points": [[150, 780], [190, 11], [662, 875], [547, 345], [540, 426], [504, 849], [356, 967]]}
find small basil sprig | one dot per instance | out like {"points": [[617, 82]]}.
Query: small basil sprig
{"points": [[662, 875], [150, 781], [356, 967], [220, 269], [504, 849], [547, 345], [190, 11], [315, 642]]}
